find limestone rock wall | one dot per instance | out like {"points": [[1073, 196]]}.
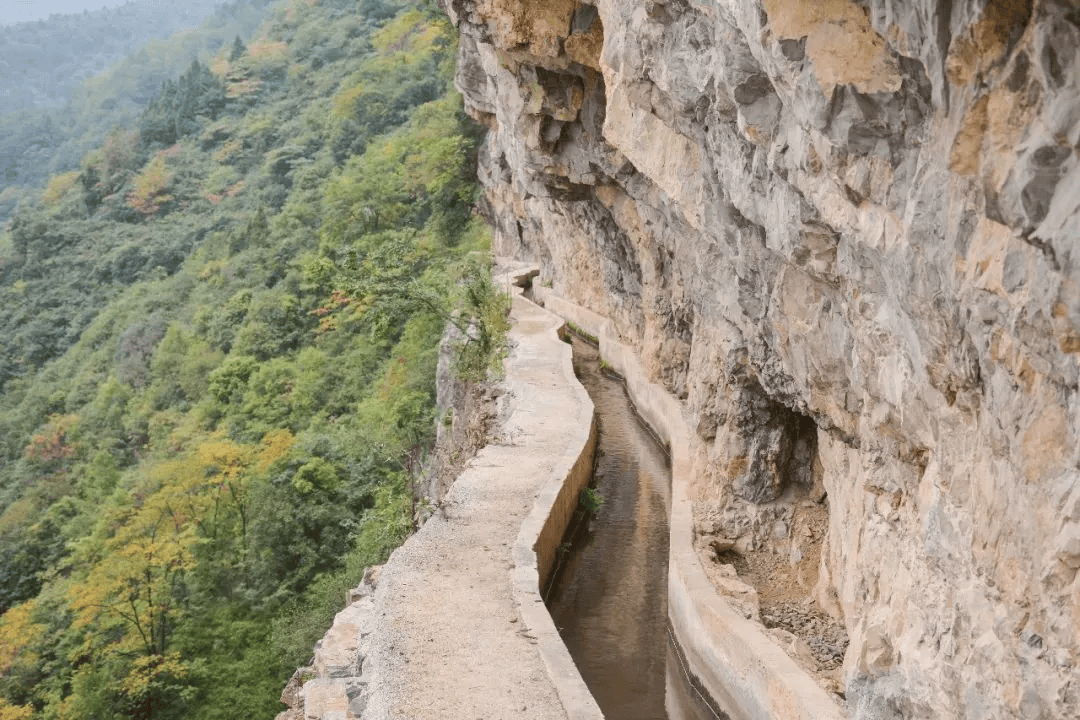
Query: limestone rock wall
{"points": [[845, 234]]}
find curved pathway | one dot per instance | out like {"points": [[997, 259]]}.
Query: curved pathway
{"points": [[454, 627]]}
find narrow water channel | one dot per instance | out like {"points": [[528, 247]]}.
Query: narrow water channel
{"points": [[609, 595]]}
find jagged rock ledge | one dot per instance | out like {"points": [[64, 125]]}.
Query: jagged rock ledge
{"points": [[453, 626]]}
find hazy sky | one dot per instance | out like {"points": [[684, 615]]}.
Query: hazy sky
{"points": [[13, 11]]}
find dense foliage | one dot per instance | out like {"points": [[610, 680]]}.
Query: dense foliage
{"points": [[218, 342], [46, 60], [67, 81]]}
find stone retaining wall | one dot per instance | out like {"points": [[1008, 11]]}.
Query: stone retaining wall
{"points": [[542, 533]]}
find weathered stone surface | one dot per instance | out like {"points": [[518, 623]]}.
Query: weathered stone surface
{"points": [[333, 685], [844, 234], [465, 412]]}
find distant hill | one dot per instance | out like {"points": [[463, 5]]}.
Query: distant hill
{"points": [[38, 138], [43, 62]]}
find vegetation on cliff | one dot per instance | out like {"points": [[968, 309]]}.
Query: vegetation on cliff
{"points": [[218, 341]]}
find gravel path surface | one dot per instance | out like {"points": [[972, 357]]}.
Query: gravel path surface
{"points": [[451, 641]]}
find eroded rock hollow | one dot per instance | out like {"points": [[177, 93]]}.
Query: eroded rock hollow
{"points": [[843, 234]]}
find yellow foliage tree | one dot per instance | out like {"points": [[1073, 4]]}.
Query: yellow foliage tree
{"points": [[130, 587], [15, 712], [148, 190], [130, 594], [18, 633], [232, 467], [226, 463], [275, 446], [58, 187], [265, 56]]}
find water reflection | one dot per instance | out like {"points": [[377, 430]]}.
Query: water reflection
{"points": [[609, 595]]}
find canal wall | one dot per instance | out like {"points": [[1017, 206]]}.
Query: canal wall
{"points": [[744, 671]]}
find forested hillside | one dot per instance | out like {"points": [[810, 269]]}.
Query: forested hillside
{"points": [[65, 82], [218, 340], [43, 62]]}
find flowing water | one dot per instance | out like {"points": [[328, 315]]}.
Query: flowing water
{"points": [[609, 595]]}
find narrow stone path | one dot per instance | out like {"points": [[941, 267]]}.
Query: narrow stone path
{"points": [[451, 641]]}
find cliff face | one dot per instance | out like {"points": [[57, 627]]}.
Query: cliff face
{"points": [[843, 234]]}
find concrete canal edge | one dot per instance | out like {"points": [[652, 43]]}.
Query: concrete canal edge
{"points": [[537, 543], [744, 671]]}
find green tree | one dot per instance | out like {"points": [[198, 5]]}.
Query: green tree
{"points": [[238, 49], [179, 105]]}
